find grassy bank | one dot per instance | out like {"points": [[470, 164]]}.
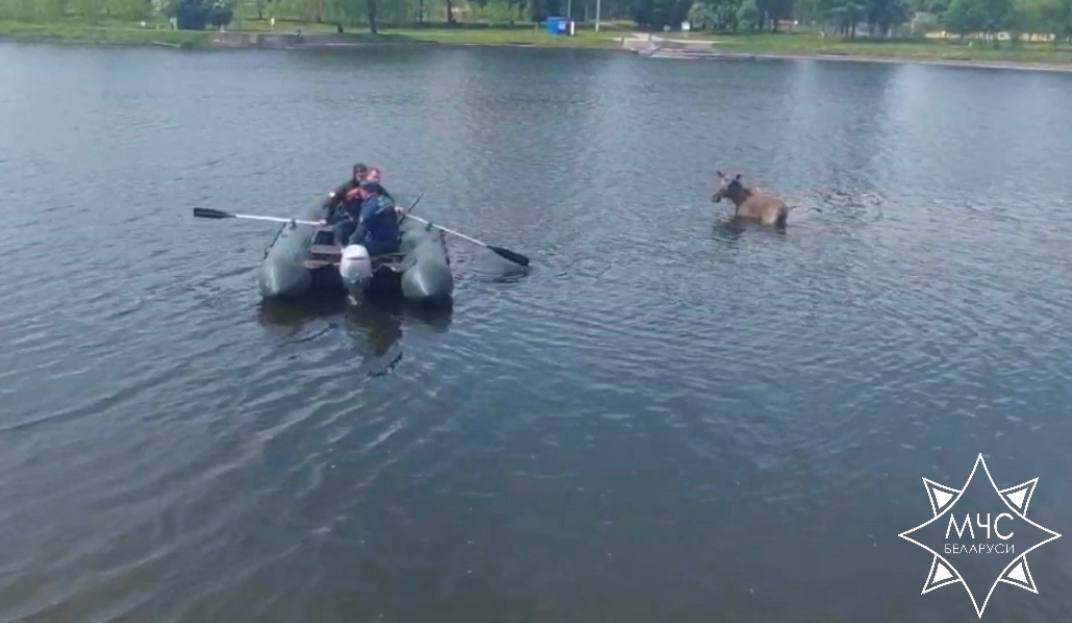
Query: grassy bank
{"points": [[813, 45], [119, 32], [505, 36], [111, 33], [129, 32]]}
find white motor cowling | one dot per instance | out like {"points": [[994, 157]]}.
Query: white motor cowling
{"points": [[355, 267]]}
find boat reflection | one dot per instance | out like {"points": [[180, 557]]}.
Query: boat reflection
{"points": [[376, 325]]}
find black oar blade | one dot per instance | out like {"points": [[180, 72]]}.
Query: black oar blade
{"points": [[415, 201], [516, 258], [210, 213]]}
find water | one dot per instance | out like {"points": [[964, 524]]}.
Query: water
{"points": [[672, 417]]}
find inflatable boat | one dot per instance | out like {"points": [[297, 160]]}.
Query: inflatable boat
{"points": [[305, 258]]}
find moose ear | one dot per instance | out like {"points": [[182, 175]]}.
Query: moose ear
{"points": [[719, 173], [738, 178]]}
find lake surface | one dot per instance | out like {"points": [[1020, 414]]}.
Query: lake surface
{"points": [[671, 417]]}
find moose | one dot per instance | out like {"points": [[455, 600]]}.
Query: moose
{"points": [[752, 203]]}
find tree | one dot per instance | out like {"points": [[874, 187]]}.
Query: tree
{"points": [[996, 15], [220, 13], [987, 16], [774, 10], [726, 16], [882, 15], [24, 10], [372, 17], [188, 14], [90, 10], [964, 16], [748, 14], [196, 14], [713, 15], [701, 16], [540, 10], [1055, 17], [844, 15], [50, 9]]}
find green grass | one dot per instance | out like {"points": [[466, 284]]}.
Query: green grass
{"points": [[504, 36], [811, 44], [120, 33], [247, 24], [117, 31], [130, 32], [461, 34]]}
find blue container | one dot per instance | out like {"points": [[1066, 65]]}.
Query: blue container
{"points": [[557, 26]]}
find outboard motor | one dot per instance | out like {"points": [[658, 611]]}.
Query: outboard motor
{"points": [[355, 267]]}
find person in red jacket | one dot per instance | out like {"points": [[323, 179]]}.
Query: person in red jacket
{"points": [[337, 198]]}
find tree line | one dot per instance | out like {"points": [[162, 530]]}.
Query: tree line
{"points": [[880, 18]]}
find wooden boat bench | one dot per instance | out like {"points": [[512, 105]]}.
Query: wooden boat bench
{"points": [[324, 252]]}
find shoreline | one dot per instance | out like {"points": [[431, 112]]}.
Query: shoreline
{"points": [[888, 60], [916, 53], [656, 48]]}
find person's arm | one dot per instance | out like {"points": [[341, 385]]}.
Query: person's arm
{"points": [[368, 211], [334, 201], [329, 205], [386, 204]]}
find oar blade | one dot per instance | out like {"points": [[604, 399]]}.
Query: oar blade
{"points": [[415, 202], [210, 213], [516, 258]]}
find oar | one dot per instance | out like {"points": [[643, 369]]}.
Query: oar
{"points": [[414, 204], [210, 213], [516, 258], [411, 206]]}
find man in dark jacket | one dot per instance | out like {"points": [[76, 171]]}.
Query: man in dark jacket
{"points": [[377, 221], [340, 203]]}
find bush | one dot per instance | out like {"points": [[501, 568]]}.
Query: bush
{"points": [[195, 14], [748, 14], [189, 14], [220, 14], [726, 17], [701, 17]]}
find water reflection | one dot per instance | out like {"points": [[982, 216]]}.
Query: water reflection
{"points": [[730, 228], [376, 326]]}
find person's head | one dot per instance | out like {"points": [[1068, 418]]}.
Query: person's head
{"points": [[360, 171], [726, 187], [370, 188], [374, 175]]}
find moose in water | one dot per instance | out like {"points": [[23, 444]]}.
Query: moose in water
{"points": [[751, 203]]}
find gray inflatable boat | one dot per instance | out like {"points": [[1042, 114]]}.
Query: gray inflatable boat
{"points": [[305, 258]]}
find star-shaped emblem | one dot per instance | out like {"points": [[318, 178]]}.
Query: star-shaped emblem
{"points": [[979, 535]]}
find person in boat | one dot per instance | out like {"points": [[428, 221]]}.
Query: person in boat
{"points": [[338, 197], [369, 217], [344, 201]]}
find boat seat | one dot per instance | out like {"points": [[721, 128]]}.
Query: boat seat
{"points": [[321, 255], [325, 249]]}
